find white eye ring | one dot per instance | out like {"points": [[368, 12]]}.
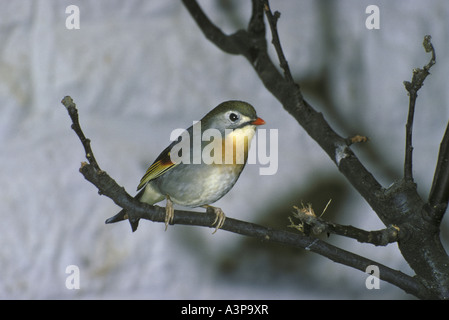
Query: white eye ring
{"points": [[233, 116]]}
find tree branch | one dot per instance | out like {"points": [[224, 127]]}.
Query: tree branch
{"points": [[214, 34], [253, 46], [398, 205], [419, 75], [439, 193], [307, 217], [108, 187], [272, 20], [73, 113]]}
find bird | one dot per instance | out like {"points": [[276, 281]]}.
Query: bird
{"points": [[217, 152]]}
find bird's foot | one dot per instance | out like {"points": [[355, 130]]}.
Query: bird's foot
{"points": [[220, 217], [169, 212]]}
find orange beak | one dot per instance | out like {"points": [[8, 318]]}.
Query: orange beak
{"points": [[258, 122]]}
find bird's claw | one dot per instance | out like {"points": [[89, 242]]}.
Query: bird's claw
{"points": [[220, 217], [169, 213]]}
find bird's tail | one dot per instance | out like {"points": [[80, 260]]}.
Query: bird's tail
{"points": [[122, 215]]}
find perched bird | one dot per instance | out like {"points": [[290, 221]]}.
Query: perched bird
{"points": [[217, 151]]}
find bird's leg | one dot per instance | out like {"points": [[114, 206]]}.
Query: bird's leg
{"points": [[220, 217], [169, 212]]}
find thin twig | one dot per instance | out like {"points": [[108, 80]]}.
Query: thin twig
{"points": [[307, 216], [408, 172], [73, 113], [272, 21], [419, 75]]}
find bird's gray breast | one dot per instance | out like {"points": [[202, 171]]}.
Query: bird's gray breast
{"points": [[194, 185]]}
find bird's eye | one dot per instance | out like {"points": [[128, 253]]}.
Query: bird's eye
{"points": [[233, 117]]}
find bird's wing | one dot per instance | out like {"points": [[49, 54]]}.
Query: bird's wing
{"points": [[161, 165]]}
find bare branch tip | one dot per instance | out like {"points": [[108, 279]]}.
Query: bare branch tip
{"points": [[427, 44], [67, 101], [277, 15]]}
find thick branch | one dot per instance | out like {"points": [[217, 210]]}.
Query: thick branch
{"points": [[439, 193], [214, 34]]}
